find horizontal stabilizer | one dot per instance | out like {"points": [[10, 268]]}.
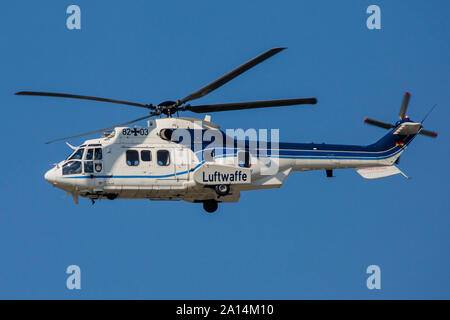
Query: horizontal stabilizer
{"points": [[407, 128], [379, 172]]}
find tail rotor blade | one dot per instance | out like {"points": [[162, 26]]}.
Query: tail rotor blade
{"points": [[404, 106], [428, 133], [377, 123]]}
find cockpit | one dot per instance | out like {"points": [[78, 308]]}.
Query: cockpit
{"points": [[83, 159]]}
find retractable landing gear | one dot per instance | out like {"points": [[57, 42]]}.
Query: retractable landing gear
{"points": [[222, 189], [111, 196], [210, 205]]}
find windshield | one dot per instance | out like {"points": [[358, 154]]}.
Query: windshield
{"points": [[77, 154], [70, 154], [71, 167]]}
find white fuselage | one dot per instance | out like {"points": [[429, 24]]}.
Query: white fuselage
{"points": [[140, 163]]}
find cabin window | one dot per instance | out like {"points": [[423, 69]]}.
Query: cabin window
{"points": [[78, 155], [88, 166], [98, 154], [244, 159], [132, 158], [163, 157], [71, 167], [89, 154], [146, 155]]}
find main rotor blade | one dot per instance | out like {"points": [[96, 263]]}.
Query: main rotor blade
{"points": [[76, 96], [100, 130], [230, 75], [404, 106], [377, 123], [428, 133], [249, 105]]}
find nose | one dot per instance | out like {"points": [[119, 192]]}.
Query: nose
{"points": [[50, 176]]}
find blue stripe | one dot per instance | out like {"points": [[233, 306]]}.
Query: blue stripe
{"points": [[300, 154], [131, 177]]}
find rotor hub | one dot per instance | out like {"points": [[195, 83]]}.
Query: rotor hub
{"points": [[166, 107]]}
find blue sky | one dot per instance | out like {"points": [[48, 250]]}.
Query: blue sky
{"points": [[314, 237]]}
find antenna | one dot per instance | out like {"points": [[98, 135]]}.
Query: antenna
{"points": [[426, 116]]}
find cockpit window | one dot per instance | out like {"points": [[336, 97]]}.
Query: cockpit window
{"points": [[70, 154], [98, 154], [71, 167], [78, 155], [89, 154], [88, 166]]}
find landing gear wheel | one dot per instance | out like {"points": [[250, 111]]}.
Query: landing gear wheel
{"points": [[210, 205], [111, 196], [222, 189]]}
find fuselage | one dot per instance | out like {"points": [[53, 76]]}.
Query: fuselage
{"points": [[177, 159]]}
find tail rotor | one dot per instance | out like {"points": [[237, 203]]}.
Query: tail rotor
{"points": [[403, 118]]}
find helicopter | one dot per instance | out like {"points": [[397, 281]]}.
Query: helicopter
{"points": [[190, 159]]}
